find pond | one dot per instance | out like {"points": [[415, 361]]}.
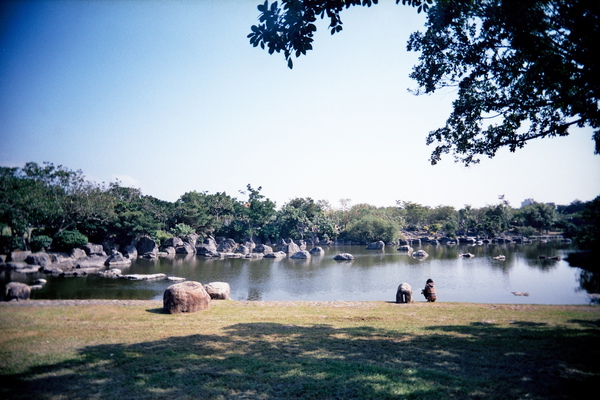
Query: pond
{"points": [[371, 276]]}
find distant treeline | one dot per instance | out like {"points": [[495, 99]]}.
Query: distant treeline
{"points": [[37, 202]]}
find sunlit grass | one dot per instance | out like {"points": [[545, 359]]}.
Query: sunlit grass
{"points": [[285, 350]]}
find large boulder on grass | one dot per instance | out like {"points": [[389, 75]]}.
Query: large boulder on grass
{"points": [[185, 297], [404, 293], [16, 291], [218, 290]]}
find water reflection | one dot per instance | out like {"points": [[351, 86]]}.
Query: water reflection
{"points": [[372, 275]]}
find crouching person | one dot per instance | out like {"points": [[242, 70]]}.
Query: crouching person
{"points": [[429, 291]]}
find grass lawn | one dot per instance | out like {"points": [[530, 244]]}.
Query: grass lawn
{"points": [[306, 350]]}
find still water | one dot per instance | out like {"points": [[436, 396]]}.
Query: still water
{"points": [[372, 276]]}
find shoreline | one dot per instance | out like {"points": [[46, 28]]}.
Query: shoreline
{"points": [[274, 303]]}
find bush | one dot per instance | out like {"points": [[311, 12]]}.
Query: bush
{"points": [[160, 236], [526, 231], [11, 243], [40, 243], [371, 229], [69, 240], [180, 230]]}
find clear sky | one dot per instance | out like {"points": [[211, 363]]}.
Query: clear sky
{"points": [[170, 97]]}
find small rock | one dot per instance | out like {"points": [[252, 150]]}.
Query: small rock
{"points": [[344, 257], [301, 255], [145, 277]]}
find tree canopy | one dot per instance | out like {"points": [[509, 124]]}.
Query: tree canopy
{"points": [[44, 206], [522, 69]]}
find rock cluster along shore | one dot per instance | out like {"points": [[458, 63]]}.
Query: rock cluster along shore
{"points": [[110, 260]]}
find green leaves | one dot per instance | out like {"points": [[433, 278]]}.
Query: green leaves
{"points": [[515, 69], [523, 70], [289, 27]]}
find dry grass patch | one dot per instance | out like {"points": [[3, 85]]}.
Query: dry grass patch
{"points": [[279, 350]]}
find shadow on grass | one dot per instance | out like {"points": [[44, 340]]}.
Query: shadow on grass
{"points": [[275, 361]]}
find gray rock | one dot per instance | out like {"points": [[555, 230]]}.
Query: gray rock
{"points": [[227, 246], [289, 247], [317, 251], [254, 256], [170, 251], [20, 267], [78, 253], [172, 242], [249, 243], [117, 258], [344, 257], [208, 248], [130, 252], [218, 290], [94, 261], [191, 239], [18, 256], [145, 277], [14, 265], [146, 246], [262, 248], [242, 249], [41, 259], [94, 249], [185, 248], [112, 273], [16, 291], [277, 254], [52, 270], [380, 245], [300, 255], [420, 254], [404, 293], [185, 297]]}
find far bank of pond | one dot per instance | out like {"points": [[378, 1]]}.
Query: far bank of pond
{"points": [[372, 276]]}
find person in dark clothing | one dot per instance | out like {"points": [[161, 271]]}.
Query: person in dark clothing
{"points": [[429, 291]]}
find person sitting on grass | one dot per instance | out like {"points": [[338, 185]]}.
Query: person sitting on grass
{"points": [[429, 291]]}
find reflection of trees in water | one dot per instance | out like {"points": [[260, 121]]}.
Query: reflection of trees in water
{"points": [[590, 282], [537, 249]]}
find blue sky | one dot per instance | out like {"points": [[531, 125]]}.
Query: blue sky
{"points": [[170, 97]]}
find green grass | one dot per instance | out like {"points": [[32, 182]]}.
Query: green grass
{"points": [[356, 350]]}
